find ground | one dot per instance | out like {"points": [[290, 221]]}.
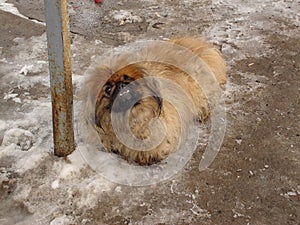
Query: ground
{"points": [[254, 178]]}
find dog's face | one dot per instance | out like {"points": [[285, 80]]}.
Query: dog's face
{"points": [[126, 90]]}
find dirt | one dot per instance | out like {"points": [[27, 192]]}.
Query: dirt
{"points": [[255, 177]]}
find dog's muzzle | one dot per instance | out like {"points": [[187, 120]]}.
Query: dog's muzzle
{"points": [[124, 97]]}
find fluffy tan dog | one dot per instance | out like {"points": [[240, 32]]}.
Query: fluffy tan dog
{"points": [[136, 89]]}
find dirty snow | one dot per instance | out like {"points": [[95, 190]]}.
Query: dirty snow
{"points": [[25, 130], [9, 7]]}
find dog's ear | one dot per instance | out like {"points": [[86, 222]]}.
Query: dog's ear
{"points": [[153, 84], [94, 83]]}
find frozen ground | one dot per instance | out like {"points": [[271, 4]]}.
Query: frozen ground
{"points": [[253, 180]]}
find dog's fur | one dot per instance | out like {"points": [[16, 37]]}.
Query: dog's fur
{"points": [[104, 81]]}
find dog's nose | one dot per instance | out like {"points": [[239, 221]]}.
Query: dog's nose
{"points": [[123, 97], [123, 92], [120, 86]]}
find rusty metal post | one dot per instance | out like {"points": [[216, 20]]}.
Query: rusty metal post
{"points": [[57, 22]]}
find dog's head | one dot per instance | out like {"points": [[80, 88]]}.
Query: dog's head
{"points": [[127, 90]]}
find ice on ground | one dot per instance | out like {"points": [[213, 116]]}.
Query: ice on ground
{"points": [[56, 190], [240, 38], [22, 138], [124, 16], [63, 220], [9, 7], [12, 96], [33, 69]]}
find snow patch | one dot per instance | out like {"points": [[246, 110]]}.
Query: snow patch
{"points": [[9, 7], [12, 96], [200, 212], [63, 220], [70, 168], [22, 192], [123, 17], [118, 189], [30, 161], [33, 69], [92, 191], [23, 139], [55, 184]]}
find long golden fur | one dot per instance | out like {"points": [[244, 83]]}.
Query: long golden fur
{"points": [[107, 82]]}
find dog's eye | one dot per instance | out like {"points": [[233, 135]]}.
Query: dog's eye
{"points": [[107, 89], [125, 77]]}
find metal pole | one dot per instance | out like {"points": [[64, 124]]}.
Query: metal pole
{"points": [[57, 22]]}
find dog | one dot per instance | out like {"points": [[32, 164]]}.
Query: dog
{"points": [[157, 98]]}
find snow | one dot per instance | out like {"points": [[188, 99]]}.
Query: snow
{"points": [[33, 69], [200, 212], [13, 96], [118, 189], [239, 37], [291, 193], [63, 220], [123, 16], [55, 184], [26, 135], [23, 138], [9, 7], [26, 140]]}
